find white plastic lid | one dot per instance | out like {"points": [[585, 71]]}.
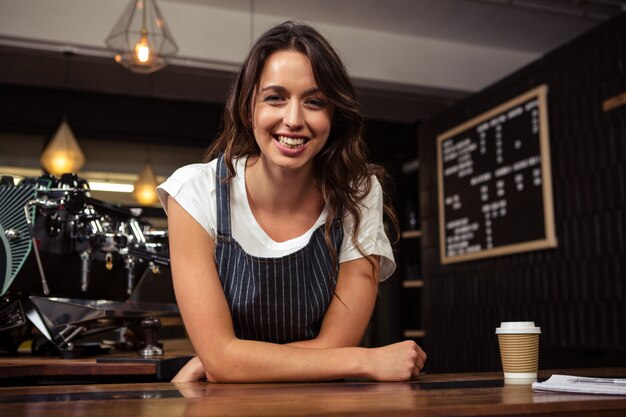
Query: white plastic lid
{"points": [[518, 327]]}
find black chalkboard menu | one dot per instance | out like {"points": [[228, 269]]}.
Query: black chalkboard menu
{"points": [[495, 184]]}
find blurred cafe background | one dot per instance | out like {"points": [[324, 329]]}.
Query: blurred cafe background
{"points": [[123, 92]]}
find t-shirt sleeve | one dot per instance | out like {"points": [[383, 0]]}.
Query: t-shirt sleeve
{"points": [[193, 187], [371, 236]]}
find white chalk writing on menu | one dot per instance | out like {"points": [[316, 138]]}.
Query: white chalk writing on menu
{"points": [[494, 161]]}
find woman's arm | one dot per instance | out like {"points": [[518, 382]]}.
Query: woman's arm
{"points": [[350, 310], [226, 358]]}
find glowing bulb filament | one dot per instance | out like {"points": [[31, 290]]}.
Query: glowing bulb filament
{"points": [[142, 50]]}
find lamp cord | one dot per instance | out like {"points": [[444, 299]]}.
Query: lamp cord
{"points": [[143, 15], [251, 22], [67, 54]]}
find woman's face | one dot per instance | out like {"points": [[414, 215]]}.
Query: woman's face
{"points": [[291, 116]]}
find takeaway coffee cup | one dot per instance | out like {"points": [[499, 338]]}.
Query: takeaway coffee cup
{"points": [[519, 350]]}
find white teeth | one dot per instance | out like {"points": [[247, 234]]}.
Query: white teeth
{"points": [[291, 142]]}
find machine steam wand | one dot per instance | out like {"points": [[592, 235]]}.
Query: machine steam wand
{"points": [[31, 229], [85, 269]]}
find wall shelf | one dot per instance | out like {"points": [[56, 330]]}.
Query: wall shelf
{"points": [[410, 271], [414, 334], [411, 234], [413, 283]]}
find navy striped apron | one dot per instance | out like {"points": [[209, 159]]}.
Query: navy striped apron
{"points": [[277, 300]]}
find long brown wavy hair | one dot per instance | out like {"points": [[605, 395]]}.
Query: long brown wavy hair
{"points": [[341, 169]]}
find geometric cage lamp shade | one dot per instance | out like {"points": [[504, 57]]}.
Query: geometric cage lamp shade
{"points": [[141, 38]]}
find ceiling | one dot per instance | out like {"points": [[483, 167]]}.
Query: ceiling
{"points": [[522, 29], [534, 26]]}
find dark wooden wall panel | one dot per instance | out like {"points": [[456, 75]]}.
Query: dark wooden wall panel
{"points": [[576, 291], [39, 110]]}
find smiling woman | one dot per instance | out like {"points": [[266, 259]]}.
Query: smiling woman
{"points": [[277, 241]]}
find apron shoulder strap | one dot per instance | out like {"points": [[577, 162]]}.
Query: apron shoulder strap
{"points": [[222, 188]]}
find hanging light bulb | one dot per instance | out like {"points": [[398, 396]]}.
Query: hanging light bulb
{"points": [[142, 49], [145, 186], [141, 38], [62, 155]]}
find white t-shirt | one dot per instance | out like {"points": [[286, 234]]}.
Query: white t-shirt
{"points": [[193, 187]]}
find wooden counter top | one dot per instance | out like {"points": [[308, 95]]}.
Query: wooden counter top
{"points": [[479, 394], [23, 366], [26, 369]]}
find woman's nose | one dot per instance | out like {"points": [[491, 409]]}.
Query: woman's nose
{"points": [[293, 117]]}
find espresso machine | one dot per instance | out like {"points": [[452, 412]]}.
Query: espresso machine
{"points": [[70, 266]]}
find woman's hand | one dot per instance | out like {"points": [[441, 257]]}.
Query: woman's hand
{"points": [[193, 371], [398, 362]]}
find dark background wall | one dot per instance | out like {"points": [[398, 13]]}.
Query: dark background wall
{"points": [[38, 110], [576, 291]]}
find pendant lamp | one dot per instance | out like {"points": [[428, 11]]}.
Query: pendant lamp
{"points": [[145, 186], [141, 38], [62, 155]]}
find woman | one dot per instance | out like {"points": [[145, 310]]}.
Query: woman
{"points": [[293, 215]]}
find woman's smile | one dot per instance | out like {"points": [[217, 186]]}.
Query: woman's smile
{"points": [[291, 142], [290, 145]]}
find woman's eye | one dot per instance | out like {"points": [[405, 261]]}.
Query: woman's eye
{"points": [[316, 102], [273, 98]]}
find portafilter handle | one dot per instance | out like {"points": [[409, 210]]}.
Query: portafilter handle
{"points": [[150, 327]]}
